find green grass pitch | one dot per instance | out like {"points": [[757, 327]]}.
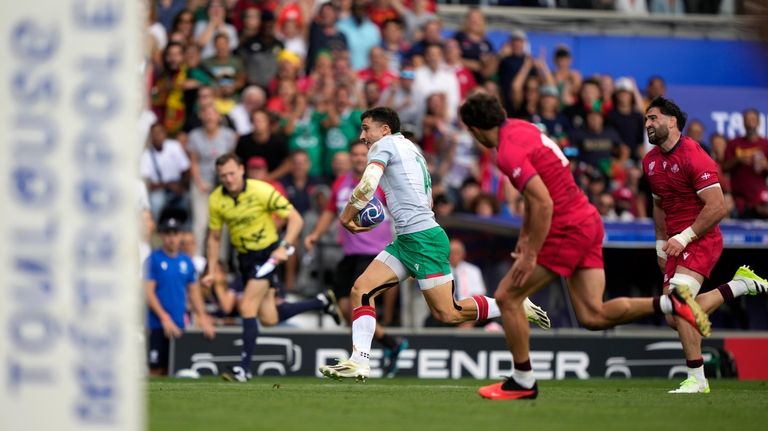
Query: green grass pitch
{"points": [[404, 404]]}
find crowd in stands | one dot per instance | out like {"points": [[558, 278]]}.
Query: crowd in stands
{"points": [[282, 83]]}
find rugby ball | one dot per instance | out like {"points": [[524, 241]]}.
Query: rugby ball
{"points": [[372, 214]]}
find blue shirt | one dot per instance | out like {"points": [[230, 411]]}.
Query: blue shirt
{"points": [[172, 275], [360, 40]]}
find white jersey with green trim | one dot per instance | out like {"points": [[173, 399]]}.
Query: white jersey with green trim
{"points": [[406, 183]]}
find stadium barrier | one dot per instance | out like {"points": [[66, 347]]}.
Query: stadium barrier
{"points": [[480, 355]]}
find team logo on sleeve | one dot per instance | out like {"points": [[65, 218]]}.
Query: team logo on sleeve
{"points": [[516, 172], [705, 176]]}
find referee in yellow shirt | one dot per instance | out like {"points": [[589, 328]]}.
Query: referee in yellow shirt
{"points": [[247, 207]]}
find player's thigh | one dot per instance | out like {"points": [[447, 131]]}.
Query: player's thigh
{"points": [[586, 287], [268, 308], [507, 292], [440, 298], [253, 295], [376, 275]]}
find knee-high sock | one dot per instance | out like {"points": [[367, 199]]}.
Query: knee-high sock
{"points": [[286, 310], [487, 308], [250, 332], [363, 327]]}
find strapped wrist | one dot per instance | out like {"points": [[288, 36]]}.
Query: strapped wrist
{"points": [[660, 243], [685, 237]]}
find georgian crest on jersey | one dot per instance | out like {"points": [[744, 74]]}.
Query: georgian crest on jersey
{"points": [[675, 169], [650, 168], [705, 176]]}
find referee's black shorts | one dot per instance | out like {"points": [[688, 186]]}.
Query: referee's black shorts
{"points": [[250, 262]]}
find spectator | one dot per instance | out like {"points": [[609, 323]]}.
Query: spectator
{"points": [[299, 184], [400, 97], [167, 10], [436, 77], [567, 79], [253, 99], [206, 143], [718, 145], [378, 70], [454, 61], [460, 161], [625, 204], [394, 44], [372, 94], [341, 163], [415, 18], [169, 275], [168, 90], [259, 53], [361, 34], [183, 30], [293, 37], [251, 24], [606, 206], [476, 50], [341, 125], [606, 90], [745, 160], [437, 129], [198, 74], [469, 191], [656, 87], [443, 206], [695, 131], [323, 35], [526, 87], [206, 30], [380, 11], [165, 169], [272, 147], [257, 169], [590, 100], [548, 115], [288, 67], [228, 72], [485, 205], [597, 144], [431, 35], [513, 56], [626, 119], [304, 131]]}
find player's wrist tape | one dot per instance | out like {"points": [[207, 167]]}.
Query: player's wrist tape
{"points": [[685, 237], [660, 243]]}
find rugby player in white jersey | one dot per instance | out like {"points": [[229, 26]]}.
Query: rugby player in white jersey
{"points": [[420, 250]]}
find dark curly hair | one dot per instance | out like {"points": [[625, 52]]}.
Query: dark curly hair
{"points": [[668, 107]]}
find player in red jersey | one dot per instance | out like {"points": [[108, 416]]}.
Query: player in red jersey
{"points": [[688, 205], [561, 235]]}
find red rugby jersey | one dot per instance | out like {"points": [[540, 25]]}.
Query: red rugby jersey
{"points": [[525, 152], [676, 177]]}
